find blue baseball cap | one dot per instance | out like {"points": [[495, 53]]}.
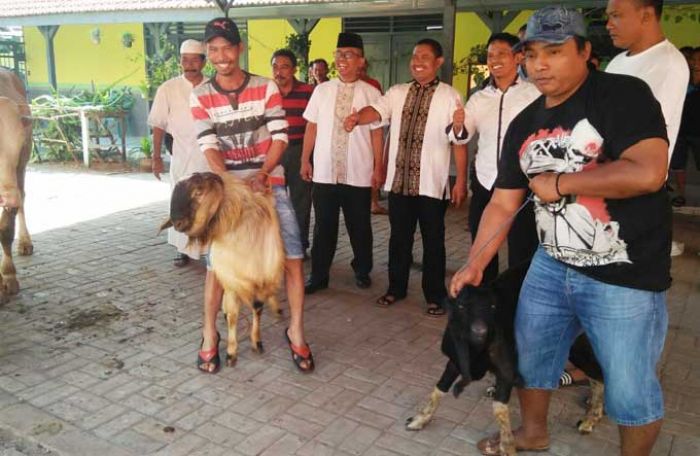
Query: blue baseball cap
{"points": [[554, 24]]}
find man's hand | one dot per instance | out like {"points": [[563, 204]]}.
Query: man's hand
{"points": [[467, 275], [157, 166], [258, 182], [378, 177], [459, 193], [458, 118], [306, 171], [544, 186], [351, 121]]}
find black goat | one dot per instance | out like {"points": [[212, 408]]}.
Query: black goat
{"points": [[480, 338]]}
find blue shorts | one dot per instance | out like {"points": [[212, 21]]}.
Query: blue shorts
{"points": [[626, 327], [289, 227]]}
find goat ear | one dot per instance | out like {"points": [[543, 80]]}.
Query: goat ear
{"points": [[167, 223]]}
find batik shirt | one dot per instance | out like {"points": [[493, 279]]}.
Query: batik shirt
{"points": [[623, 241], [420, 137]]}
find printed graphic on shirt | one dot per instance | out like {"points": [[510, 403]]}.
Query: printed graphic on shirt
{"points": [[576, 230]]}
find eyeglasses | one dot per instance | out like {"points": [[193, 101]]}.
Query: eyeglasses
{"points": [[345, 55]]}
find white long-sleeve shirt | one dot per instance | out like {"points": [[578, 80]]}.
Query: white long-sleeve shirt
{"points": [[437, 139], [489, 112]]}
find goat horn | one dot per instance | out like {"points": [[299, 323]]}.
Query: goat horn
{"points": [[167, 223]]}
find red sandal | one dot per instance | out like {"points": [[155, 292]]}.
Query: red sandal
{"points": [[300, 355], [210, 356]]}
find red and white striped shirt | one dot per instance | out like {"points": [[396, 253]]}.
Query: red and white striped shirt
{"points": [[241, 124]]}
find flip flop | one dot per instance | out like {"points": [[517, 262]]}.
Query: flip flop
{"points": [[434, 310], [301, 355], [181, 260], [387, 300], [210, 356], [490, 446], [567, 379]]}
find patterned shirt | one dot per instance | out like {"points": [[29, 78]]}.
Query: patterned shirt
{"points": [[413, 122], [294, 104], [420, 137], [241, 124]]}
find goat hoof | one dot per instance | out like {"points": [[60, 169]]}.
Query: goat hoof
{"points": [[258, 348], [231, 360], [11, 286], [25, 249], [4, 298], [584, 427], [414, 424]]}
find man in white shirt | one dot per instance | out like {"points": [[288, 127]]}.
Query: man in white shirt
{"points": [[489, 112], [171, 114], [346, 166], [634, 25], [418, 174]]}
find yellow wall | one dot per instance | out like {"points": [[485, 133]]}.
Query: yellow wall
{"points": [[265, 36], [324, 38], [80, 62], [37, 72], [469, 31]]}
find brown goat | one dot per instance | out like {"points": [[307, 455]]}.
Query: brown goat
{"points": [[245, 245]]}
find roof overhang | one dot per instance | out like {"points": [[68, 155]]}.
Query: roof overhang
{"points": [[269, 9]]}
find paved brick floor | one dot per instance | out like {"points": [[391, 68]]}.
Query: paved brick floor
{"points": [[97, 355]]}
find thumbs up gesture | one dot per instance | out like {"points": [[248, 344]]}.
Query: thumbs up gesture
{"points": [[351, 121], [458, 117]]}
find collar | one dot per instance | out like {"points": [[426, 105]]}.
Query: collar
{"points": [[516, 81], [434, 82]]}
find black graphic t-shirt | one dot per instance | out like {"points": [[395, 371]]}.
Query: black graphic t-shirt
{"points": [[624, 242]]}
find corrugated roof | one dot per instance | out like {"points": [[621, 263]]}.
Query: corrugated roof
{"points": [[16, 8]]}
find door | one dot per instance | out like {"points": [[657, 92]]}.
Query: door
{"points": [[378, 55]]}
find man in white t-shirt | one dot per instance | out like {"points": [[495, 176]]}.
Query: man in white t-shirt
{"points": [[634, 25], [171, 113], [346, 166]]}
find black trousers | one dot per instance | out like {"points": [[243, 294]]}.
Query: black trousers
{"points": [[328, 199], [522, 237], [404, 213], [299, 190]]}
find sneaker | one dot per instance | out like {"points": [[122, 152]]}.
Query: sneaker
{"points": [[677, 248]]}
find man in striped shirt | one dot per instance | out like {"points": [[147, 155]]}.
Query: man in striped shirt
{"points": [[241, 129], [295, 97]]}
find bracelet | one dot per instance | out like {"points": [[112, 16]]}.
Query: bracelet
{"points": [[556, 185]]}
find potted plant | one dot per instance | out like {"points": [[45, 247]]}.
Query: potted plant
{"points": [[127, 39], [146, 163]]}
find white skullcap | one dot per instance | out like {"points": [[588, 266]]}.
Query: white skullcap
{"points": [[192, 47]]}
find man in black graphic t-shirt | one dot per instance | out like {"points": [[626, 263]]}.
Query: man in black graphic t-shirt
{"points": [[593, 151]]}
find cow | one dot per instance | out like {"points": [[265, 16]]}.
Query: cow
{"points": [[480, 338], [245, 245], [15, 149]]}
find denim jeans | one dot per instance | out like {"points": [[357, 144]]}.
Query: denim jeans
{"points": [[626, 327]]}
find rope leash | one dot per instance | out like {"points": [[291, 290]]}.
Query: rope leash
{"points": [[501, 227]]}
